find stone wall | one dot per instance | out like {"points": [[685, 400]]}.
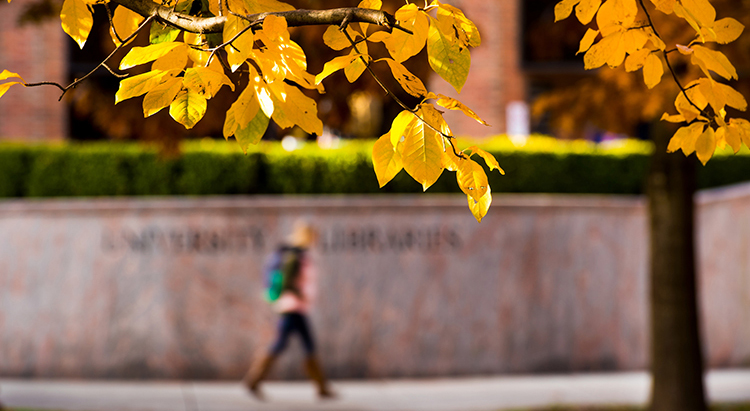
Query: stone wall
{"points": [[410, 286]]}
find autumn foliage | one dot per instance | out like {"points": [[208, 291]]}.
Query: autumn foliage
{"points": [[626, 35]]}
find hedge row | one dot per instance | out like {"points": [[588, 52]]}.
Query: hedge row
{"points": [[217, 168]]}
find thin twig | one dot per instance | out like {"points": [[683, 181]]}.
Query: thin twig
{"points": [[103, 63]]}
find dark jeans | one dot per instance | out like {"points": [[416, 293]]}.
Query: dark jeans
{"points": [[291, 323]]}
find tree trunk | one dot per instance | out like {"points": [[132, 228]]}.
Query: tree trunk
{"points": [[676, 356]]}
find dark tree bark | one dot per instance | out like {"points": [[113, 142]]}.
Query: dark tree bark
{"points": [[676, 355]]}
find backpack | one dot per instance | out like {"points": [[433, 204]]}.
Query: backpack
{"points": [[281, 271]]}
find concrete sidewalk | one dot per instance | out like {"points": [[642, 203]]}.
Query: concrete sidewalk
{"points": [[461, 394]]}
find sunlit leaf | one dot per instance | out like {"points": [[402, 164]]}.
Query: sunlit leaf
{"points": [[386, 160], [162, 33], [188, 108], [356, 67], [715, 61], [337, 63], [335, 38], [176, 59], [447, 56], [705, 145], [125, 22], [161, 96], [586, 10], [6, 86], [400, 125], [451, 19], [665, 6], [608, 49], [205, 81], [685, 138], [453, 104], [564, 8], [489, 159], [423, 148], [725, 30], [77, 20], [400, 44], [262, 6], [472, 179], [408, 81], [588, 40], [480, 208], [653, 70], [296, 109], [139, 85], [141, 55]]}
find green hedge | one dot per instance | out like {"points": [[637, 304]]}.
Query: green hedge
{"points": [[217, 168]]}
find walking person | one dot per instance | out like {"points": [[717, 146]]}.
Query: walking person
{"points": [[292, 289]]}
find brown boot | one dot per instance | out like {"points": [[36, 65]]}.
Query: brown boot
{"points": [[316, 374], [255, 376]]}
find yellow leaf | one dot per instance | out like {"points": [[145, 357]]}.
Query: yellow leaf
{"points": [[705, 145], [402, 45], [263, 94], [588, 40], [386, 160], [276, 28], [245, 120], [296, 109], [564, 8], [174, 60], [205, 81], [685, 138], [400, 125], [6, 86], [335, 65], [653, 70], [634, 39], [742, 128], [480, 208], [732, 137], [607, 49], [677, 118], [586, 9], [447, 56], [616, 16], [715, 61], [140, 84], [125, 23], [665, 6], [142, 55], [355, 69], [241, 47], [491, 161], [335, 38], [408, 81], [161, 96], [725, 30], [453, 20], [9, 74], [636, 60], [423, 148], [453, 104], [77, 20], [472, 179], [700, 10], [188, 108]]}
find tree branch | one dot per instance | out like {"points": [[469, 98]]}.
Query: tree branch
{"points": [[294, 18]]}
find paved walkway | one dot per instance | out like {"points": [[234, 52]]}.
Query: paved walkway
{"points": [[464, 394]]}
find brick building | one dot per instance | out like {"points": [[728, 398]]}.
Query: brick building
{"points": [[499, 76]]}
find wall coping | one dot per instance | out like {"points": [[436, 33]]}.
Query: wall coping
{"points": [[334, 202]]}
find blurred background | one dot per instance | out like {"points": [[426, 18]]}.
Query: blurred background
{"points": [[148, 263]]}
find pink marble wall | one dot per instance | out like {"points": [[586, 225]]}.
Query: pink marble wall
{"points": [[410, 285]]}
